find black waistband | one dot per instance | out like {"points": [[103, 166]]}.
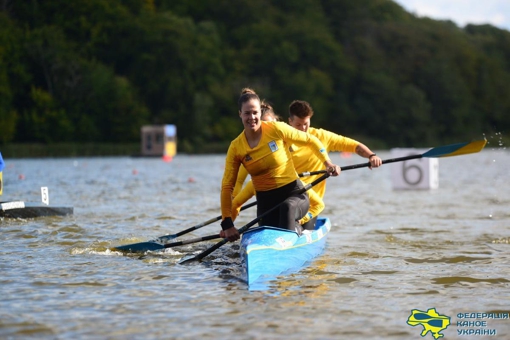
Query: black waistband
{"points": [[286, 190]]}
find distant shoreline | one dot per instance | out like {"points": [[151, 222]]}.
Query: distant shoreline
{"points": [[66, 150]]}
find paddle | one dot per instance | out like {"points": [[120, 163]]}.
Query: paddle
{"points": [[311, 173], [441, 151], [250, 224], [193, 240], [159, 243], [438, 152]]}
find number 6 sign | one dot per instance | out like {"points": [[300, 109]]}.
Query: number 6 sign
{"points": [[421, 173]]}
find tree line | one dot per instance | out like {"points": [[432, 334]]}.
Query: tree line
{"points": [[86, 71]]}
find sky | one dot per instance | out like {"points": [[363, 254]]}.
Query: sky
{"points": [[462, 12]]}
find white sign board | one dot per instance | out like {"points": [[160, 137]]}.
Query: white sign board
{"points": [[420, 173], [45, 196]]}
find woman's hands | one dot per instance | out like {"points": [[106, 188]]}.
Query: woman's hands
{"points": [[231, 234], [228, 230]]}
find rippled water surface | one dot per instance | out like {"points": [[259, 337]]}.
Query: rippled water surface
{"points": [[389, 252]]}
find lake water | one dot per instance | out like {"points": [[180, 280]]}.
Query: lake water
{"points": [[389, 252]]}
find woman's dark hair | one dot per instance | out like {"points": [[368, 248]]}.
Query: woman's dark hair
{"points": [[247, 94], [300, 108], [267, 109]]}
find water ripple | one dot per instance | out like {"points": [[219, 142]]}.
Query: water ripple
{"points": [[388, 252]]}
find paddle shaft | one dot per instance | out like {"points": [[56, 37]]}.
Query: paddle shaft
{"points": [[250, 224], [312, 173], [205, 238], [193, 240], [442, 151], [361, 165], [161, 242], [307, 187], [203, 224], [163, 239]]}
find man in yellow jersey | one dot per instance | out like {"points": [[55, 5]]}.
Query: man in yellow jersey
{"points": [[300, 113]]}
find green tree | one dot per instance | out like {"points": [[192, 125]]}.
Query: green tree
{"points": [[97, 70], [8, 66], [44, 121]]}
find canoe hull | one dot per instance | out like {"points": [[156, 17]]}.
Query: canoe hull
{"points": [[267, 252], [20, 209]]}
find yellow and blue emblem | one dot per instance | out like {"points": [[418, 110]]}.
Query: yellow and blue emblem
{"points": [[273, 146], [430, 320]]}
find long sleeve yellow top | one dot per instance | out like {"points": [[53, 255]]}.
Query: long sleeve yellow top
{"points": [[305, 160], [316, 202], [269, 163], [241, 177]]}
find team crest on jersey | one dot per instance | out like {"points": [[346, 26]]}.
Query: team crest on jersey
{"points": [[273, 146], [247, 158]]}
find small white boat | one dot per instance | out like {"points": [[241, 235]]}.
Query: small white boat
{"points": [[20, 209]]}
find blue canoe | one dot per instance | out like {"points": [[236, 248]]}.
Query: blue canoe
{"points": [[267, 252]]}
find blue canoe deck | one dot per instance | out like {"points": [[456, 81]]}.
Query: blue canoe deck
{"points": [[269, 251]]}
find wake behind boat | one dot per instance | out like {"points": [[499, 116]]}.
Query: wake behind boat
{"points": [[267, 252]]}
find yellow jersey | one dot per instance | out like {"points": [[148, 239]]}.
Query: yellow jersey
{"points": [[241, 177], [269, 163], [305, 160]]}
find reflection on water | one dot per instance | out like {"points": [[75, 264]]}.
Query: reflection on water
{"points": [[389, 252]]}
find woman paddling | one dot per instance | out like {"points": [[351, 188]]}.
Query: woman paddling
{"points": [[263, 150], [242, 194]]}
